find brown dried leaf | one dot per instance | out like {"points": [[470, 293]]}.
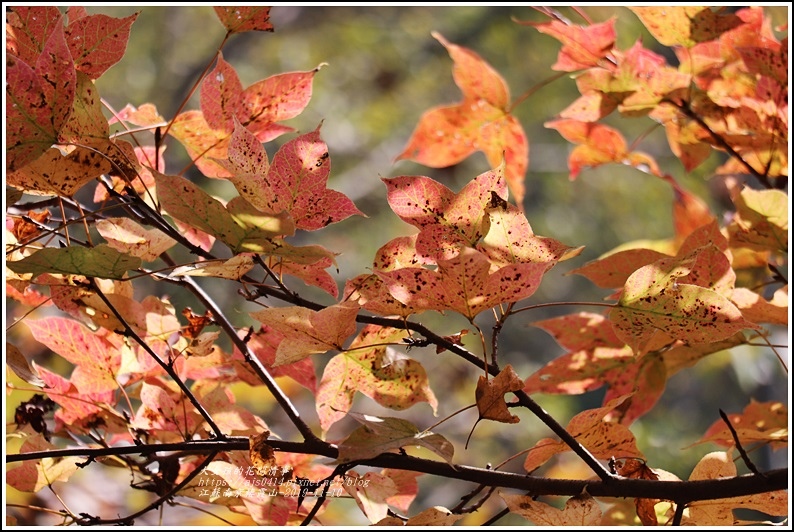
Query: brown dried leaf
{"points": [[490, 395]]}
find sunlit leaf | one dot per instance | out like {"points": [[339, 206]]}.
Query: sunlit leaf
{"points": [[685, 25], [653, 300], [760, 422], [463, 284], [127, 236], [719, 512], [97, 42], [581, 510], [482, 121], [368, 366], [582, 46], [308, 331], [96, 360]]}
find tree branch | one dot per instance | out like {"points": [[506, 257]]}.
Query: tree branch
{"points": [[683, 492]]}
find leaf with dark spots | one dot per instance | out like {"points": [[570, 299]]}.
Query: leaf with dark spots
{"points": [[97, 42], [28, 29], [447, 221], [653, 300], [463, 284], [240, 19], [29, 125], [57, 76]]}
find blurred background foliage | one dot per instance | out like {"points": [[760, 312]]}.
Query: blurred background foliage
{"points": [[383, 71]]}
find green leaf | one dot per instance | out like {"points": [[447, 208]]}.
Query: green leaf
{"points": [[101, 261]]}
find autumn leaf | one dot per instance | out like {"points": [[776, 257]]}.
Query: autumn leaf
{"points": [[28, 29], [632, 468], [406, 488], [97, 42], [719, 512], [435, 516], [482, 121], [370, 367], [127, 236], [56, 72], [613, 269], [87, 123], [598, 358], [490, 395], [685, 25], [17, 362], [764, 422], [239, 19], [96, 360], [758, 310], [29, 121], [77, 409], [509, 239], [204, 145], [597, 145], [603, 439], [54, 173], [298, 179], [308, 331], [446, 221], [221, 92], [371, 492], [100, 261], [582, 46], [33, 475], [653, 300], [581, 510], [463, 284], [761, 220], [233, 268], [379, 435]]}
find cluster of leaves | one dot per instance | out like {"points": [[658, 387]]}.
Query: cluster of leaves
{"points": [[153, 390]]}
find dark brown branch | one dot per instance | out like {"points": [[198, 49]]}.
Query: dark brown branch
{"points": [[683, 492]]}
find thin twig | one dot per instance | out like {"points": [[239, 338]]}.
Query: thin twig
{"points": [[749, 463], [129, 331]]}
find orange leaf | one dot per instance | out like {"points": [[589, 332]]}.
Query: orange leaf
{"points": [[685, 25], [765, 422], [582, 47], [482, 121], [490, 395], [96, 360], [463, 284]]}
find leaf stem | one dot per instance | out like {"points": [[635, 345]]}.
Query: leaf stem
{"points": [[532, 90]]}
